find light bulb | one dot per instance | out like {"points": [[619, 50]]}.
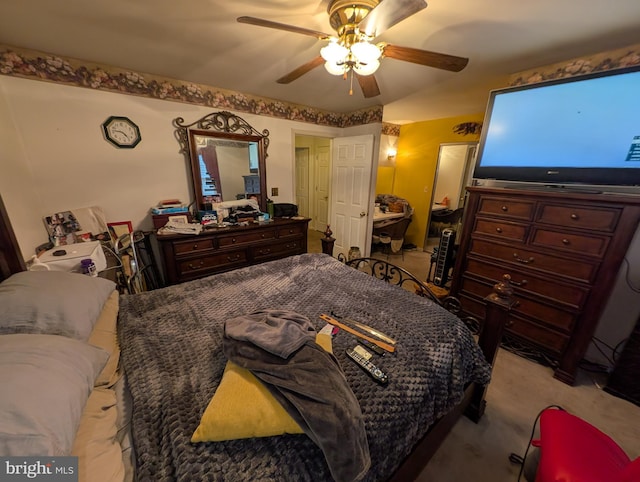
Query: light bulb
{"points": [[334, 69], [365, 52], [366, 69], [334, 52]]}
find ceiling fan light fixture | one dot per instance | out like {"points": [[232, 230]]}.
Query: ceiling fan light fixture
{"points": [[366, 69], [334, 68], [365, 52], [334, 52]]}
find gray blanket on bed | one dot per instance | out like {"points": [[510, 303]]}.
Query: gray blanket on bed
{"points": [[171, 342], [279, 348]]}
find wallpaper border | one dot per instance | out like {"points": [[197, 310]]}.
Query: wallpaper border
{"points": [[612, 59], [33, 64]]}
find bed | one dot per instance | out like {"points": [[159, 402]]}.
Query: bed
{"points": [[172, 358]]}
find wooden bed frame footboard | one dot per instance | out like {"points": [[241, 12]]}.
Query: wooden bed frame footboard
{"points": [[498, 305]]}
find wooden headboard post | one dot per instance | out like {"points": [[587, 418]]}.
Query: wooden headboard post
{"points": [[11, 260]]}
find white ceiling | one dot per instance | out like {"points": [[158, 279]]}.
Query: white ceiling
{"points": [[200, 41]]}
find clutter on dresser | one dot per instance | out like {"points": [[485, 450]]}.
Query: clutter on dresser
{"points": [[179, 227], [170, 210]]}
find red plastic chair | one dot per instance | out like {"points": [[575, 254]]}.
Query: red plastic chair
{"points": [[572, 450]]}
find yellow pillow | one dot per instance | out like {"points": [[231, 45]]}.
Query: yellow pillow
{"points": [[243, 408]]}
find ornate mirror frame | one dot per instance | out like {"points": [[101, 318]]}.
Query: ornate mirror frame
{"points": [[224, 126]]}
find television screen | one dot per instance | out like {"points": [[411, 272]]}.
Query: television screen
{"points": [[579, 130]]}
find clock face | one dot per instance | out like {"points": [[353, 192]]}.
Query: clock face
{"points": [[121, 132]]}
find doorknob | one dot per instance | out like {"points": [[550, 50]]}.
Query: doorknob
{"points": [[363, 214]]}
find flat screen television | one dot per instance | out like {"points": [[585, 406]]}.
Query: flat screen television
{"points": [[581, 131]]}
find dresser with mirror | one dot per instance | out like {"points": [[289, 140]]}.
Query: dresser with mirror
{"points": [[227, 157]]}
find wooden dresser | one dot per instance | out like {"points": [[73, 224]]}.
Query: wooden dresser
{"points": [[562, 251], [188, 257]]}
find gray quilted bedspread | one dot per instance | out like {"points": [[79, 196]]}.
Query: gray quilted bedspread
{"points": [[171, 354]]}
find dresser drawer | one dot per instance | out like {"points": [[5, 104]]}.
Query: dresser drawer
{"points": [[533, 333], [557, 265], [291, 247], [244, 238], [192, 246], [528, 281], [537, 335], [582, 217], [217, 262], [576, 243], [501, 229], [546, 314], [293, 230], [506, 208]]}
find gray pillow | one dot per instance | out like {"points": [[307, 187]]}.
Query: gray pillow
{"points": [[52, 302], [46, 381]]}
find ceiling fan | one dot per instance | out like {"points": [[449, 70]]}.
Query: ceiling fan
{"points": [[357, 23]]}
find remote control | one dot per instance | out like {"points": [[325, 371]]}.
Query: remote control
{"points": [[372, 370]]}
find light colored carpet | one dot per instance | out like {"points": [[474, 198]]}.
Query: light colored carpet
{"points": [[519, 390]]}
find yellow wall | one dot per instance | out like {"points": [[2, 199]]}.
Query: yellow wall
{"points": [[384, 182], [416, 161]]}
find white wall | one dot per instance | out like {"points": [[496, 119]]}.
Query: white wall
{"points": [[622, 310], [55, 158]]}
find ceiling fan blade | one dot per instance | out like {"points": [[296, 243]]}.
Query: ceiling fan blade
{"points": [[283, 26], [425, 57], [369, 85], [300, 71], [388, 13]]}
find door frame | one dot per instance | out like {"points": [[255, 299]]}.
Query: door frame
{"points": [[312, 171]]}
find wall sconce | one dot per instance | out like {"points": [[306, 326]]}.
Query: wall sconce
{"points": [[391, 154]]}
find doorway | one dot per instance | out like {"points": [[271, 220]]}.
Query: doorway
{"points": [[313, 179]]}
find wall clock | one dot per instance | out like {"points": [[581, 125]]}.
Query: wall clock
{"points": [[121, 132]]}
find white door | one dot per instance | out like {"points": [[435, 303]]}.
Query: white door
{"points": [[322, 179], [350, 186], [302, 181]]}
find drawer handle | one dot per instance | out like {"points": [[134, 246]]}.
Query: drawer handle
{"points": [[504, 208], [523, 261], [575, 217], [199, 265], [291, 246], [262, 235], [498, 230], [291, 231], [566, 242], [521, 283], [264, 251], [509, 323], [233, 240], [233, 258], [195, 246]]}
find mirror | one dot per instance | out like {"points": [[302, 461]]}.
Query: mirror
{"points": [[227, 158], [454, 172]]}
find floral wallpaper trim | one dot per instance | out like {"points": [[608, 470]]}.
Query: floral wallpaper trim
{"points": [[37, 65], [613, 59], [390, 129]]}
